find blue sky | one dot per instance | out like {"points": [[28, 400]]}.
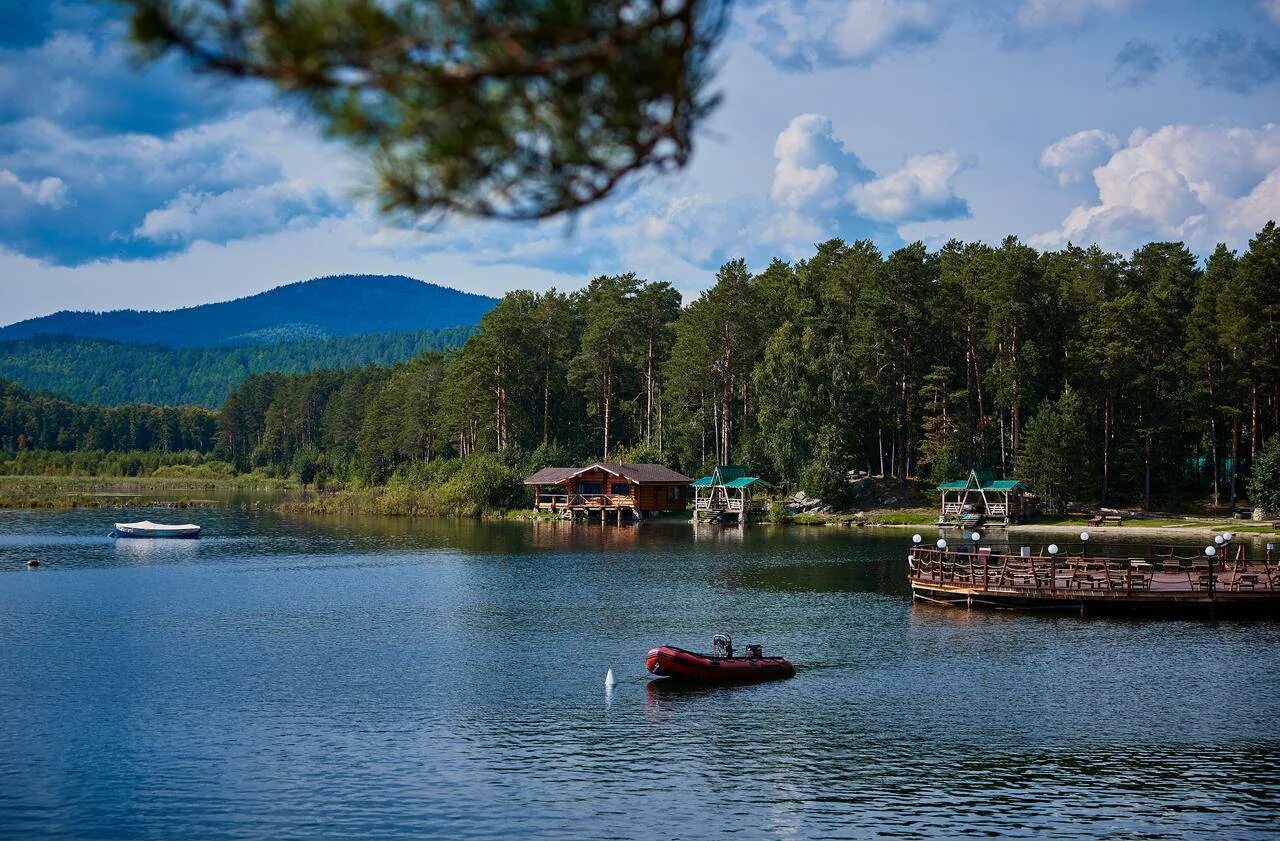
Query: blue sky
{"points": [[1108, 121]]}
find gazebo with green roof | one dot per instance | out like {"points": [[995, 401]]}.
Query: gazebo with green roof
{"points": [[979, 498], [728, 491]]}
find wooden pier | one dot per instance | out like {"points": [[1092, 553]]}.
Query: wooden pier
{"points": [[1075, 578]]}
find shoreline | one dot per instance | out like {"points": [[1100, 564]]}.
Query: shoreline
{"points": [[65, 492], [1206, 530]]}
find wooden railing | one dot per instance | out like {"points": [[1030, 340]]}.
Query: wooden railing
{"points": [[600, 500], [1155, 570]]}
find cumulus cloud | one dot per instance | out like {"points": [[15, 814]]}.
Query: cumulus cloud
{"points": [[920, 191], [140, 195], [1229, 60], [1073, 157], [47, 192], [1137, 61], [242, 212], [86, 79], [678, 229], [1199, 184], [812, 177], [805, 34]]}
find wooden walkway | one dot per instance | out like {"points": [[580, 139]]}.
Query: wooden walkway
{"points": [[1157, 579]]}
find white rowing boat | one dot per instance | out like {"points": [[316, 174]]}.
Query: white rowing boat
{"points": [[146, 528]]}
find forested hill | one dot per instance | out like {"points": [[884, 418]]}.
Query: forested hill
{"points": [[341, 305], [113, 373]]}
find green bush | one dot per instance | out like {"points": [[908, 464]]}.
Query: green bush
{"points": [[481, 484], [1264, 481]]}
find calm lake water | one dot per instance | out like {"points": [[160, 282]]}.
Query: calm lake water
{"points": [[373, 678]]}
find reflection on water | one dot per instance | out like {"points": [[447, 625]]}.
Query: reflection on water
{"points": [[143, 550], [348, 677]]}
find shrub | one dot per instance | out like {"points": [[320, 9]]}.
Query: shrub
{"points": [[1264, 481], [482, 483]]}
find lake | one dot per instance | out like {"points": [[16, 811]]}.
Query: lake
{"points": [[385, 678]]}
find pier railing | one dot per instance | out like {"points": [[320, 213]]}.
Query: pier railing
{"points": [[555, 501], [1155, 569]]}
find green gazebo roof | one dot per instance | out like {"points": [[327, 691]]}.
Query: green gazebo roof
{"points": [[730, 476], [981, 479]]}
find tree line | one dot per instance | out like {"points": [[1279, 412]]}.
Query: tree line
{"points": [[111, 373], [1147, 379], [31, 421]]}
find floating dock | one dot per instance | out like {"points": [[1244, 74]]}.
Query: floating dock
{"points": [[1153, 578]]}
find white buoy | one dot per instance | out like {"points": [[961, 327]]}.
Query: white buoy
{"points": [[609, 679]]}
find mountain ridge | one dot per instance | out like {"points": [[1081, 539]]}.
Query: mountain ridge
{"points": [[333, 306]]}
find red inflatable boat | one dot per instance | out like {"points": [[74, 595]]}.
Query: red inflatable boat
{"points": [[721, 667]]}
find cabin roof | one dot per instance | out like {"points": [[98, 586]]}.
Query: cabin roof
{"points": [[640, 474], [551, 475]]}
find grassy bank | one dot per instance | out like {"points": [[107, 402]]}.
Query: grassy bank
{"points": [[62, 492]]}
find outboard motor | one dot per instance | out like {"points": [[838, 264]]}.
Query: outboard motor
{"points": [[722, 645]]}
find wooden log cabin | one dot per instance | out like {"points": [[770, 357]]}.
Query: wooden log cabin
{"points": [[617, 490]]}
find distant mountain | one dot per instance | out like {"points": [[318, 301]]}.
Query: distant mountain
{"points": [[327, 307], [115, 374]]}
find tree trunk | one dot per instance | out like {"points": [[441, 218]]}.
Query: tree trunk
{"points": [[1235, 458], [648, 386], [1106, 448], [1213, 430], [1254, 424], [1003, 466], [607, 401], [1146, 479]]}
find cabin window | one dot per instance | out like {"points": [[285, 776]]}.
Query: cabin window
{"points": [[588, 488], [673, 493], [620, 489]]}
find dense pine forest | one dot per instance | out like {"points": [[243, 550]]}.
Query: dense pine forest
{"points": [[110, 373], [1152, 379]]}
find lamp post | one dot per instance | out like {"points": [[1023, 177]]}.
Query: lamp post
{"points": [[1209, 552], [1053, 564], [1084, 545]]}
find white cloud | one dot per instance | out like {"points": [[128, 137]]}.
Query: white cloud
{"points": [[1199, 184], [812, 178], [920, 191], [47, 192], [137, 193], [242, 212], [1073, 157], [870, 27], [1041, 16], [804, 34]]}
